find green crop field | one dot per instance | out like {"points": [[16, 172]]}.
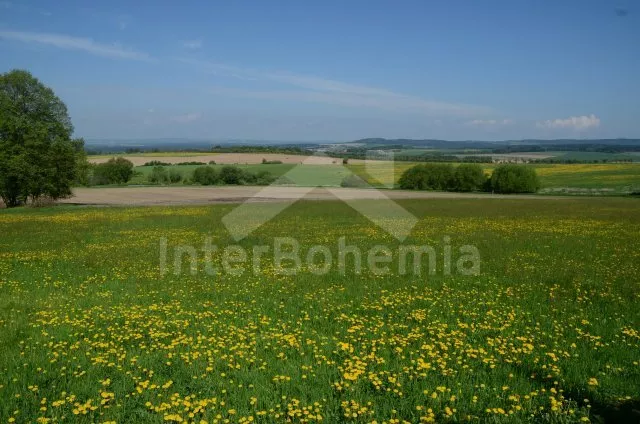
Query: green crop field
{"points": [[617, 178], [300, 175], [592, 155], [142, 172], [98, 325], [609, 178]]}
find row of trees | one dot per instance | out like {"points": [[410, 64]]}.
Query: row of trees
{"points": [[506, 178], [232, 175], [120, 171]]}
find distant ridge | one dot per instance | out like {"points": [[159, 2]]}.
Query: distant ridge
{"points": [[458, 144], [195, 145]]}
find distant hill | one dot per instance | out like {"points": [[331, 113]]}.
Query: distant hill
{"points": [[478, 144], [505, 146], [179, 144]]}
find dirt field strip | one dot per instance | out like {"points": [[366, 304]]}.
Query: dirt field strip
{"points": [[203, 195], [227, 158]]}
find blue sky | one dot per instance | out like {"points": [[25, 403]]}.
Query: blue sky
{"points": [[334, 70]]}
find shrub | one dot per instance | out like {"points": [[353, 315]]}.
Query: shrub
{"points": [[428, 176], [514, 179], [468, 177], [157, 163], [175, 176], [233, 175], [158, 175], [264, 178], [271, 162], [205, 175], [212, 162], [353, 181], [261, 178], [114, 171], [192, 163]]}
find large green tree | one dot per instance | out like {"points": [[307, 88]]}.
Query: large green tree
{"points": [[38, 158]]}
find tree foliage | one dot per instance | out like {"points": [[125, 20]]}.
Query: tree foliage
{"points": [[428, 176], [469, 177], [514, 179], [230, 175], [38, 158], [206, 175], [440, 176], [160, 175], [114, 171]]}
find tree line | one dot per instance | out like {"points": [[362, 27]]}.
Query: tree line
{"points": [[507, 178], [120, 171]]}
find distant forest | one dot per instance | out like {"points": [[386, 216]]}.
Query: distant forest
{"points": [[380, 148]]}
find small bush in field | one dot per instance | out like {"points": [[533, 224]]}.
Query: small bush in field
{"points": [[157, 163], [114, 171], [158, 175], [205, 175]]}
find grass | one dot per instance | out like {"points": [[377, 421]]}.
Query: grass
{"points": [[619, 177], [549, 331], [591, 155], [574, 155]]}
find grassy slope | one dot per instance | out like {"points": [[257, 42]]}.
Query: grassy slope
{"points": [[85, 316]]}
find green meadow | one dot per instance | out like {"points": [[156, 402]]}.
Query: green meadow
{"points": [[99, 324]]}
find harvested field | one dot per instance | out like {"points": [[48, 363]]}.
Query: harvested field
{"points": [[200, 195], [226, 158]]}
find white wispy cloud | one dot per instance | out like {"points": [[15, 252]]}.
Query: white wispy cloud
{"points": [[193, 44], [324, 90], [577, 123], [74, 43], [189, 117], [489, 122]]}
